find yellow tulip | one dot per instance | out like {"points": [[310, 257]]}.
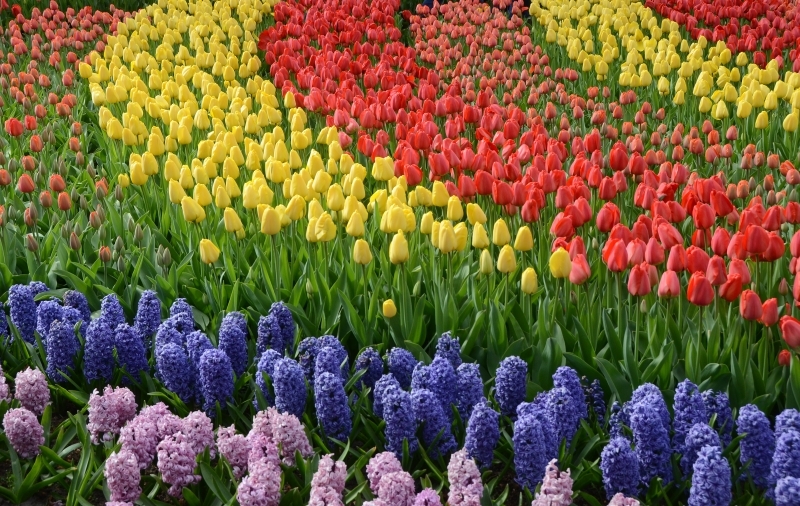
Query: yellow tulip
{"points": [[454, 210], [383, 168], [123, 180], [790, 122], [480, 239], [311, 230], [209, 253], [270, 222], [560, 264], [201, 195], [175, 192], [530, 281], [762, 120], [398, 249], [426, 223], [355, 225], [447, 237], [389, 309], [296, 208], [138, 176], [440, 195], [361, 252], [475, 214], [325, 229], [524, 240], [232, 221], [486, 263], [190, 209], [461, 236], [424, 196], [335, 198], [506, 261], [500, 234], [221, 198]]}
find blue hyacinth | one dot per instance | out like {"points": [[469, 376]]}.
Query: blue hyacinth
{"points": [[233, 340], [401, 423], [330, 401], [328, 361], [442, 379], [148, 314], [215, 380], [289, 384], [470, 389], [276, 330], [341, 353], [511, 384], [197, 343], [111, 311], [23, 311], [47, 312], [181, 323], [180, 306], [166, 335], [594, 398], [381, 386], [61, 347], [788, 419], [786, 459], [3, 322], [566, 377], [787, 492], [700, 435], [620, 468], [175, 371], [617, 420], [650, 394], [483, 433], [449, 348], [758, 444], [98, 352], [539, 409], [37, 287], [652, 442], [266, 365], [401, 366], [307, 355], [711, 480], [371, 363], [717, 403], [530, 457], [689, 410], [72, 318], [131, 354], [564, 412], [78, 301], [436, 433]]}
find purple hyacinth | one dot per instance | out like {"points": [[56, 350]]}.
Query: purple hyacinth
{"points": [[23, 311], [262, 447], [233, 341], [197, 343], [540, 408], [652, 442], [109, 412], [47, 312], [131, 354], [620, 468], [401, 424], [328, 361], [289, 435], [428, 497], [176, 463], [386, 381], [371, 363], [175, 371], [650, 394], [167, 334], [215, 380], [340, 352], [333, 412], [98, 352], [3, 323], [262, 487], [31, 390], [235, 448], [330, 475], [72, 319], [700, 435], [381, 464], [181, 323], [566, 377], [148, 314], [617, 420], [289, 384], [483, 433], [711, 480], [141, 436], [787, 492], [122, 476], [510, 386], [62, 346], [466, 487], [37, 287], [111, 311], [276, 330], [788, 419], [442, 378], [594, 397], [564, 412], [470, 389], [689, 410], [24, 432], [401, 365], [180, 306], [435, 425], [77, 300], [786, 459], [621, 500], [266, 365], [449, 348], [530, 456], [307, 355], [758, 444]]}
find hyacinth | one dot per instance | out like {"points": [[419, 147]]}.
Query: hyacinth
{"points": [[262, 448], [62, 346], [787, 492], [385, 381], [307, 355], [47, 312], [510, 386], [566, 377], [328, 361], [233, 341], [397, 489], [131, 354], [371, 363], [176, 371], [334, 344], [122, 476], [652, 396], [617, 420], [530, 455], [176, 463], [428, 497], [262, 487], [23, 311], [401, 365], [180, 306], [711, 479], [71, 318], [483, 433], [199, 429], [3, 386], [98, 352], [564, 411], [289, 384], [266, 365], [442, 377], [470, 389], [466, 487], [215, 379], [140, 436], [111, 311], [556, 487], [652, 443], [109, 412], [148, 314], [197, 343], [435, 425], [540, 409], [325, 497], [449, 348], [183, 323], [37, 287], [3, 322], [786, 459], [235, 448], [788, 419], [77, 301], [758, 444], [333, 412], [620, 468], [594, 394], [379, 465], [167, 334], [689, 410], [276, 330], [290, 436], [700, 435], [621, 500], [330, 474], [24, 432], [31, 390], [401, 424]]}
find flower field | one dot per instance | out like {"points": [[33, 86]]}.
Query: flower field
{"points": [[309, 252]]}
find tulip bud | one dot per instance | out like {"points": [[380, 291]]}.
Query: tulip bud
{"points": [[83, 203], [486, 262], [94, 220], [530, 281], [91, 171], [209, 253], [121, 264], [31, 244], [45, 199], [398, 249], [77, 228], [361, 252], [784, 358], [30, 216], [138, 235], [506, 261], [66, 230], [389, 309], [118, 194], [74, 241], [105, 254], [166, 258], [643, 306], [783, 287], [100, 192]]}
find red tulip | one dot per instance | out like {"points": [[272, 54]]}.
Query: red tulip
{"points": [[669, 286], [484, 182], [639, 280], [731, 289], [677, 258], [715, 272], [756, 240], [64, 201], [769, 312], [13, 127], [635, 250], [501, 193], [25, 183], [721, 239], [775, 248], [581, 271], [703, 216], [36, 144], [615, 255], [790, 331], [750, 305], [607, 217], [738, 266], [784, 358], [696, 259], [654, 253], [700, 291], [618, 157]]}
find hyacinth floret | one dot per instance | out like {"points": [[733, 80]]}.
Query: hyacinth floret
{"points": [[47, 312], [556, 487], [62, 347], [466, 487], [98, 352], [401, 423], [289, 384], [483, 433], [111, 311], [510, 386], [757, 445], [652, 442], [23, 311], [620, 468], [689, 410], [131, 353], [530, 456], [786, 459], [566, 377], [24, 432], [401, 365], [371, 363], [109, 412], [333, 343], [176, 463], [180, 306], [333, 411], [700, 435], [148, 314], [176, 371], [215, 380], [122, 476], [233, 341], [266, 365], [449, 348], [711, 479], [379, 465], [470, 389], [788, 419], [385, 381], [77, 301], [435, 425], [307, 355], [31, 390]]}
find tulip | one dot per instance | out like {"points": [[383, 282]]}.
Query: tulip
{"points": [[669, 286], [524, 240], [447, 237], [506, 261], [25, 184], [530, 282], [639, 280], [480, 240], [270, 222], [500, 233], [700, 292], [389, 309], [560, 264], [14, 127], [790, 331], [784, 358], [64, 201], [615, 255], [750, 305], [769, 312], [486, 264], [475, 214], [209, 253], [398, 249], [732, 288], [361, 252]]}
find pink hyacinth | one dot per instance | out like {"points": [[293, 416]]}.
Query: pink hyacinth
{"points": [[327, 484], [176, 463], [235, 448], [199, 429], [289, 435], [556, 487], [30, 389], [262, 487], [122, 475], [379, 465], [377, 502], [397, 489], [262, 448], [466, 486], [109, 412], [620, 500], [24, 432], [140, 436], [166, 422], [3, 386], [428, 497], [118, 503], [325, 497]]}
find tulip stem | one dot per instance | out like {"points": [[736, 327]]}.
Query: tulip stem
{"points": [[366, 300], [506, 302]]}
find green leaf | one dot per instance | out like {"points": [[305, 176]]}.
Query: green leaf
{"points": [[215, 483], [793, 390]]}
